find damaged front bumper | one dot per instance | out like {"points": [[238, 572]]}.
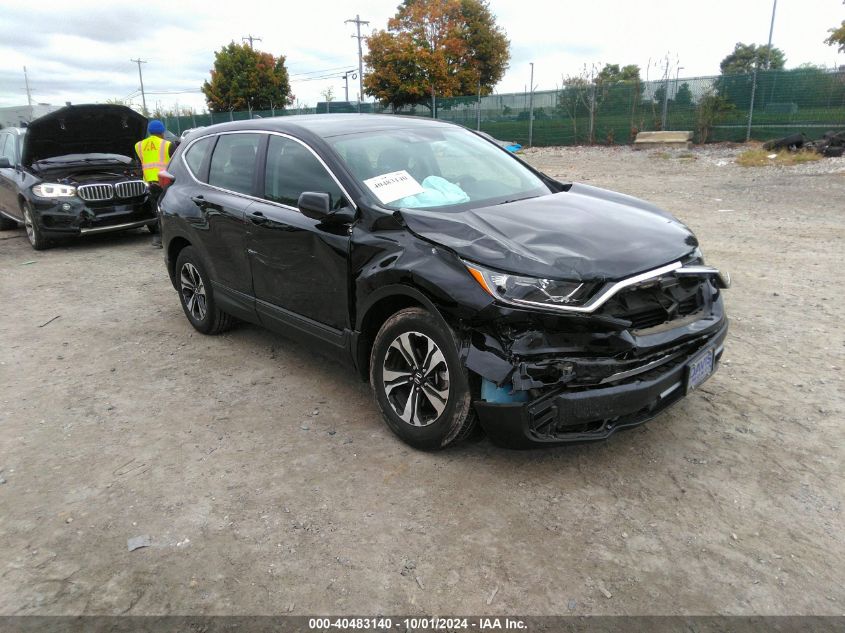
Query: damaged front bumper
{"points": [[594, 413], [569, 398], [73, 216]]}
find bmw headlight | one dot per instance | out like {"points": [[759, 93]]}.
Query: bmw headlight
{"points": [[532, 291], [53, 190]]}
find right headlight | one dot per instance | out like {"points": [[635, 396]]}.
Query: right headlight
{"points": [[531, 291], [54, 190]]}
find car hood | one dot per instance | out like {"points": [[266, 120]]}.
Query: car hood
{"points": [[585, 233], [84, 129]]}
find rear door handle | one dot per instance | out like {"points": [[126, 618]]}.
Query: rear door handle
{"points": [[258, 218], [199, 201]]}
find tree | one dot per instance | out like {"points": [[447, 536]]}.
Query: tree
{"points": [[447, 47], [612, 73], [244, 78], [712, 109], [744, 57], [683, 95], [837, 37]]}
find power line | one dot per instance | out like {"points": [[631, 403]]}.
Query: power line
{"points": [[141, 78], [314, 72], [358, 22]]}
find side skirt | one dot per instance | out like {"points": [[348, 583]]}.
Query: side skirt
{"points": [[328, 340]]}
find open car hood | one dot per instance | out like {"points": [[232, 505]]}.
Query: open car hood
{"points": [[84, 129], [585, 233]]}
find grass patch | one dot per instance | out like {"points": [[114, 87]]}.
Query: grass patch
{"points": [[760, 158]]}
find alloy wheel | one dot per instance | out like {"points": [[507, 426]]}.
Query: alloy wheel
{"points": [[415, 377], [193, 291], [30, 229]]}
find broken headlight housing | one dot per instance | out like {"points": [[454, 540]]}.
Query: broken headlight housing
{"points": [[54, 190], [530, 291]]}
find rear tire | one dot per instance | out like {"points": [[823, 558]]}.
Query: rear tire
{"points": [[419, 382], [33, 231], [196, 295]]}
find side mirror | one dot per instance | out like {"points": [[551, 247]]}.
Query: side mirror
{"points": [[4, 163], [317, 206], [314, 205]]}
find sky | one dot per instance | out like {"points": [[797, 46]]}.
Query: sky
{"points": [[81, 51]]}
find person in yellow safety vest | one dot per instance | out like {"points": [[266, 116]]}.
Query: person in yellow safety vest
{"points": [[154, 153]]}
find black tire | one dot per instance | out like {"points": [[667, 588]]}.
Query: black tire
{"points": [[33, 231], [193, 281], [6, 224], [426, 427]]}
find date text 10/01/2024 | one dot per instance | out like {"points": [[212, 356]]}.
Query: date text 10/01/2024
{"points": [[416, 623]]}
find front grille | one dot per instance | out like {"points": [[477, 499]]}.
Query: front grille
{"points": [[95, 193], [657, 302], [130, 189]]}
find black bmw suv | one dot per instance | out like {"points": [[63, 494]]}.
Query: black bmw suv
{"points": [[74, 172], [465, 285]]}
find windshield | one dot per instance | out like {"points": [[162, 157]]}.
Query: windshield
{"points": [[435, 168]]}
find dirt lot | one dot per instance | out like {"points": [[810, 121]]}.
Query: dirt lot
{"points": [[268, 484]]}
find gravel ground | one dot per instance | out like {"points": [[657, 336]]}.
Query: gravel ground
{"points": [[266, 482]]}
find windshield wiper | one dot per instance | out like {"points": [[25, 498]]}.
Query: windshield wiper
{"points": [[515, 200]]}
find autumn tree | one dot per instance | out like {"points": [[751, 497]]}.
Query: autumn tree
{"points": [[447, 47], [837, 37], [244, 78]]}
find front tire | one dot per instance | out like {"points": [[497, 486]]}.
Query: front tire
{"points": [[33, 231], [196, 296], [419, 382]]}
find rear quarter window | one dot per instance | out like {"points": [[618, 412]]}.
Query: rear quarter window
{"points": [[196, 154]]}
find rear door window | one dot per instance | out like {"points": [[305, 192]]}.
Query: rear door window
{"points": [[233, 162], [196, 155], [291, 169]]}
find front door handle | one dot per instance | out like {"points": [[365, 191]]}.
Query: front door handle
{"points": [[199, 201], [258, 218]]}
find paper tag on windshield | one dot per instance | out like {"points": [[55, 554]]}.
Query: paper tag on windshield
{"points": [[393, 186]]}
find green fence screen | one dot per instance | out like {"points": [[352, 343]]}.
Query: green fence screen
{"points": [[715, 108]]}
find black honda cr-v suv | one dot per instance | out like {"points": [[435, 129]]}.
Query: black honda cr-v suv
{"points": [[464, 284]]}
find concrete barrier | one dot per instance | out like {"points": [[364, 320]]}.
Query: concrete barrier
{"points": [[663, 139]]}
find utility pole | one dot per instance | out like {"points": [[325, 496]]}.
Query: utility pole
{"points": [[358, 22], [478, 109], [28, 93], [771, 30], [531, 109], [251, 38], [141, 79], [754, 78], [665, 96]]}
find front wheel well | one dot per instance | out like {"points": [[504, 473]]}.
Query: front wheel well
{"points": [[375, 317]]}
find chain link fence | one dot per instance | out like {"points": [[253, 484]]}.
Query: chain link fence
{"points": [[716, 108]]}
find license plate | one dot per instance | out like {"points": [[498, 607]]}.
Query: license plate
{"points": [[699, 369]]}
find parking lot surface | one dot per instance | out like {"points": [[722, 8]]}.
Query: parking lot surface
{"points": [[268, 484]]}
